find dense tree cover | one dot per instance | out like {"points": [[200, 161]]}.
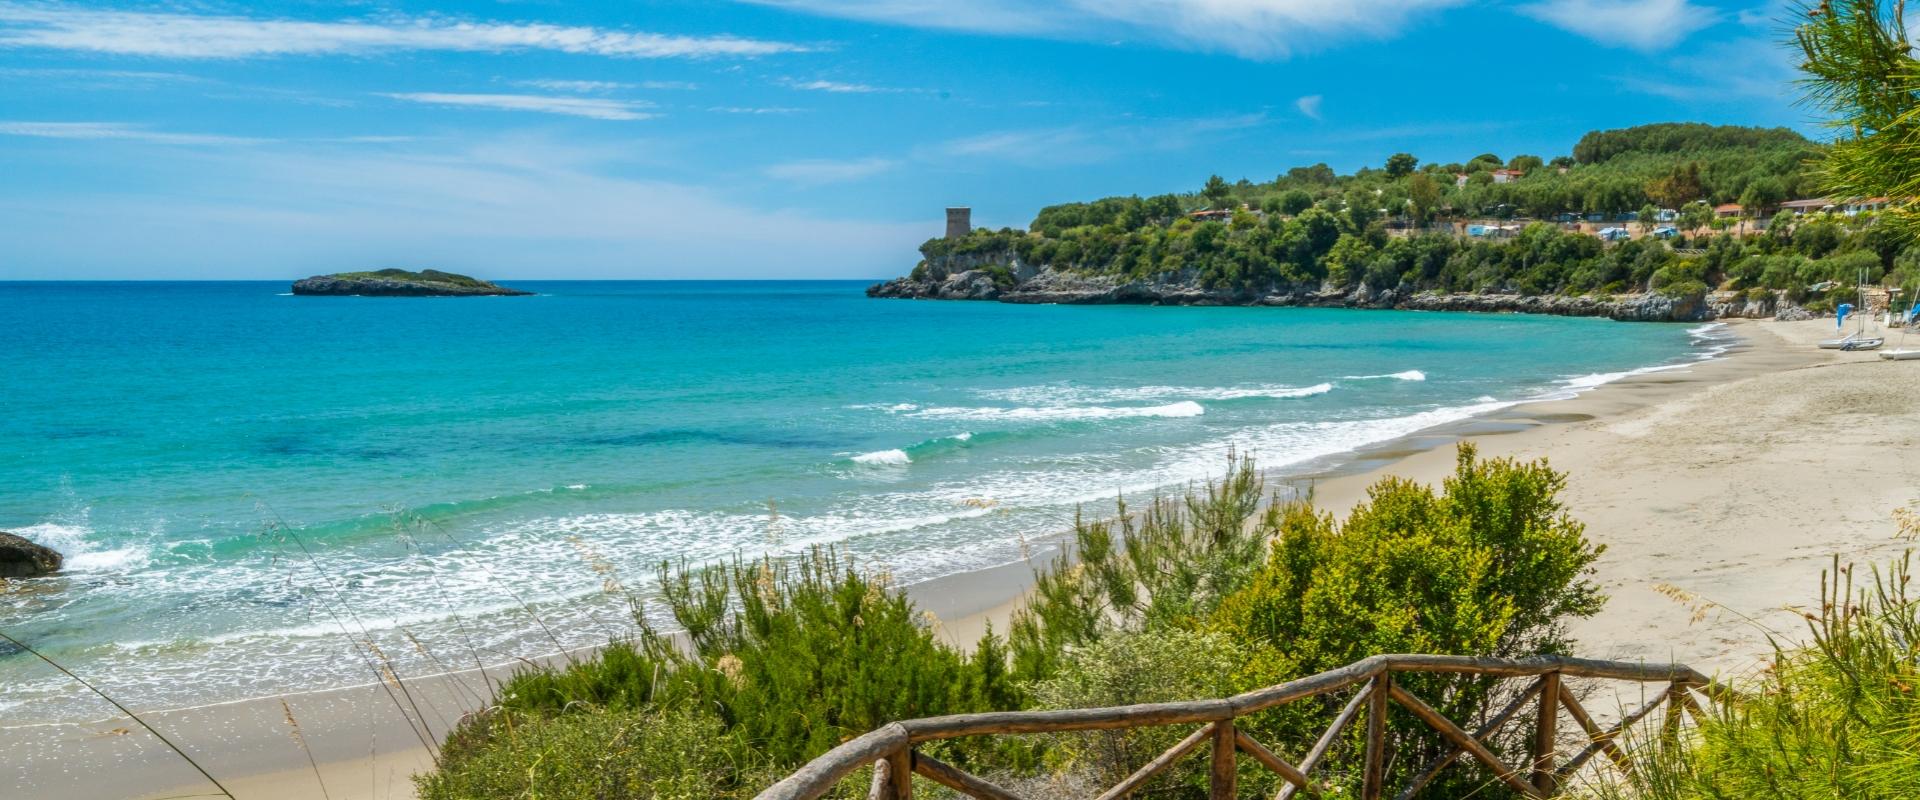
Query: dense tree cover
{"points": [[1611, 172], [1320, 250], [1198, 596], [1681, 138], [1310, 228]]}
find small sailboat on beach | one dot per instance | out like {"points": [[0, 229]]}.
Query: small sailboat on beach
{"points": [[1857, 340], [1902, 352]]}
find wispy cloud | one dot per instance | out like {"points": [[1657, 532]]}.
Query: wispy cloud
{"points": [[173, 35], [755, 110], [1309, 106], [98, 75], [589, 87], [1735, 71], [838, 87], [820, 171], [1249, 28], [1645, 25], [590, 107], [116, 130], [1087, 144]]}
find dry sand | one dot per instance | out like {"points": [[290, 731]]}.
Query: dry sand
{"points": [[1734, 481]]}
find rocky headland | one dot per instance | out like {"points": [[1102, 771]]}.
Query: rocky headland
{"points": [[1008, 280], [401, 283]]}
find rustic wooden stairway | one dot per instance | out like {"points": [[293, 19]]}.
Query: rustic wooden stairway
{"points": [[890, 750]]}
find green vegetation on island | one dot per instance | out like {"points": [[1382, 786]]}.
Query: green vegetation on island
{"points": [[400, 283]]}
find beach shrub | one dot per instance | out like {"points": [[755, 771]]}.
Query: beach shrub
{"points": [[1130, 668], [793, 656], [585, 754], [1490, 565], [1162, 568]]}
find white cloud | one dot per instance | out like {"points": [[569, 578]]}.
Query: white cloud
{"points": [[116, 130], [169, 35], [1645, 25], [1309, 106], [1249, 28], [755, 110], [1089, 144], [813, 172], [837, 87], [98, 75], [590, 107], [590, 87], [1734, 71]]}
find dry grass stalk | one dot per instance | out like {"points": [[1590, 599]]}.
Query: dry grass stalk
{"points": [[293, 728]]}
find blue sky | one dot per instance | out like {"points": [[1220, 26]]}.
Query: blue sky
{"points": [[770, 138]]}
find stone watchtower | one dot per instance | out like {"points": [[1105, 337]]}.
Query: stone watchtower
{"points": [[959, 222]]}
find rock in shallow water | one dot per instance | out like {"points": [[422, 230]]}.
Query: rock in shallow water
{"points": [[21, 558]]}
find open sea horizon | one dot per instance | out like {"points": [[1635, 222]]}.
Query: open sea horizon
{"points": [[244, 481]]}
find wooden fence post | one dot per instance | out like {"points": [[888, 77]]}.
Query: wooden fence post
{"points": [[900, 774], [1373, 782], [1221, 773], [1544, 734]]}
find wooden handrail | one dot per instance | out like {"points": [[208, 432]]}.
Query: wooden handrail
{"points": [[890, 749]]}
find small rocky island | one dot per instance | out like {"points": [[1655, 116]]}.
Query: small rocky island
{"points": [[400, 283]]}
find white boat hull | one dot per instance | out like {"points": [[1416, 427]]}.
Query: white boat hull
{"points": [[1863, 344], [1900, 355]]}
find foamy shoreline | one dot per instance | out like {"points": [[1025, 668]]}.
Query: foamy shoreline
{"points": [[249, 740]]}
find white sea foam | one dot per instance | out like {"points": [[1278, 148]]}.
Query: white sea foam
{"points": [[577, 487], [1570, 387], [1408, 375], [82, 554], [1063, 395], [1184, 408], [892, 408], [890, 458], [964, 436]]}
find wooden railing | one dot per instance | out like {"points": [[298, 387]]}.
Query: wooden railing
{"points": [[891, 752]]}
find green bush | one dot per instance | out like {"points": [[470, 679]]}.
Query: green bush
{"points": [[1490, 565], [1129, 668], [1163, 568], [585, 754], [793, 656]]}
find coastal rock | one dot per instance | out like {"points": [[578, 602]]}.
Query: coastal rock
{"points": [[939, 280], [21, 558], [1792, 312], [401, 283]]}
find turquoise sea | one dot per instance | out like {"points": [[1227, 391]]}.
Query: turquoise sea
{"points": [[240, 476]]}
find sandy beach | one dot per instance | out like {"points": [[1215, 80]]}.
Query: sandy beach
{"points": [[1733, 481]]}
